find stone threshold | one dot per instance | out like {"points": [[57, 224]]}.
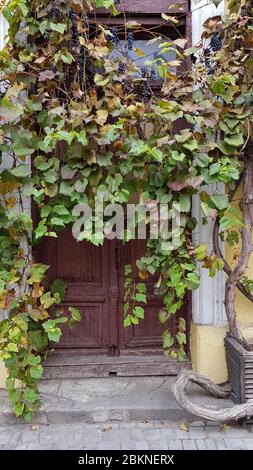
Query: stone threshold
{"points": [[114, 399]]}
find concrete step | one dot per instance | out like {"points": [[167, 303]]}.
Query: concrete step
{"points": [[115, 399]]}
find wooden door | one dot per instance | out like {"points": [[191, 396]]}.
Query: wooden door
{"points": [[95, 280]]}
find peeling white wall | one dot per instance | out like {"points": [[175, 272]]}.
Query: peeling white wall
{"points": [[208, 299], [3, 30]]}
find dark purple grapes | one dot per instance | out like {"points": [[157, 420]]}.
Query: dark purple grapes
{"points": [[207, 60], [74, 31], [55, 13], [130, 41], [144, 92], [215, 42], [81, 63], [122, 68], [144, 71], [153, 74], [116, 2], [115, 36]]}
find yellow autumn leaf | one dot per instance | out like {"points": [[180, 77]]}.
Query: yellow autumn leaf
{"points": [[83, 42], [3, 300], [10, 202], [15, 89], [37, 290], [101, 117], [23, 341], [101, 51], [139, 52], [143, 275], [43, 313], [10, 186]]}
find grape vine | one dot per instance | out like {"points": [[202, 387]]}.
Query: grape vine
{"points": [[75, 104]]}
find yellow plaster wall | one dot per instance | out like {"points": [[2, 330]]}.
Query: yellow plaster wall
{"points": [[3, 374], [207, 351]]}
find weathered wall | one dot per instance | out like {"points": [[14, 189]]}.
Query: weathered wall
{"points": [[209, 319]]}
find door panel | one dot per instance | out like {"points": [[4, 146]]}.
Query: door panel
{"points": [[95, 284], [88, 333], [86, 271]]}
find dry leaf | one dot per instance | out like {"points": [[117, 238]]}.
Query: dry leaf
{"points": [[176, 6], [102, 116], [77, 92], [40, 60], [174, 63], [180, 42], [184, 427], [46, 75], [37, 290], [34, 427], [108, 428], [172, 19], [15, 89], [225, 428], [132, 24]]}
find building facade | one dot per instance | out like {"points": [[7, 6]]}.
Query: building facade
{"points": [[95, 279]]}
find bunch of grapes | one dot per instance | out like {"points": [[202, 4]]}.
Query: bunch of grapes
{"points": [[144, 92], [130, 41], [115, 36], [81, 65], [215, 42], [55, 13], [74, 31], [153, 74], [122, 67], [144, 71]]}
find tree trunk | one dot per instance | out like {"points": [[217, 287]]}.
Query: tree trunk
{"points": [[235, 413], [246, 248]]}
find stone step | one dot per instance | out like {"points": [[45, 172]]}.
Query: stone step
{"points": [[115, 399]]}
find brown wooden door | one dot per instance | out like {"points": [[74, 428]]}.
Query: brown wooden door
{"points": [[95, 280]]}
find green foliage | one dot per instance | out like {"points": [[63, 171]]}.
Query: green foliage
{"points": [[70, 108], [135, 293]]}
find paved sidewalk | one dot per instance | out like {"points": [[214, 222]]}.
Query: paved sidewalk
{"points": [[153, 435]]}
